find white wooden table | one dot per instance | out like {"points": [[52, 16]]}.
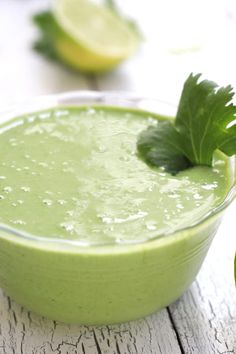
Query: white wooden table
{"points": [[203, 320]]}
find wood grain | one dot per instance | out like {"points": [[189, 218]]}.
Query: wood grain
{"points": [[25, 332], [205, 317]]}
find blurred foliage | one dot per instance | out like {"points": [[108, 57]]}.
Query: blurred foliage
{"points": [[48, 30]]}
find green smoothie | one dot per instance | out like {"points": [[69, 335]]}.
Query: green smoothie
{"points": [[78, 171], [135, 237]]}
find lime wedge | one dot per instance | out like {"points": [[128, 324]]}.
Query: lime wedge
{"points": [[92, 37]]}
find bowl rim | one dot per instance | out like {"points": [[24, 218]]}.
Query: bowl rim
{"points": [[105, 98]]}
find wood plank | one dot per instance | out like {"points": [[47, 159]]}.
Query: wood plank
{"points": [[24, 332], [205, 317]]}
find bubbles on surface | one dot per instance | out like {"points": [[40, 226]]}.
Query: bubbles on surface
{"points": [[67, 226], [7, 189], [91, 111], [13, 142], [19, 222], [43, 164], [44, 115], [107, 219], [102, 148], [151, 121], [47, 202], [151, 225], [69, 212], [124, 158], [82, 174], [118, 220], [197, 196], [25, 189], [61, 201], [209, 186], [179, 206], [61, 113], [173, 195]]}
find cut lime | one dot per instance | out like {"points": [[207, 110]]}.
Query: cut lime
{"points": [[92, 37]]}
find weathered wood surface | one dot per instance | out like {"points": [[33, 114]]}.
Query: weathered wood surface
{"points": [[24, 332], [203, 321], [205, 316]]}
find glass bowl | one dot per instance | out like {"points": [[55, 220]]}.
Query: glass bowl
{"points": [[74, 282]]}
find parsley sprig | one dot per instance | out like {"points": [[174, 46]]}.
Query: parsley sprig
{"points": [[205, 121]]}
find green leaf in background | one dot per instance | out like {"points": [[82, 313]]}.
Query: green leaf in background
{"points": [[45, 45], [205, 121]]}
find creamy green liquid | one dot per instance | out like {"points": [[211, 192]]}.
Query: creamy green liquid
{"points": [[74, 174]]}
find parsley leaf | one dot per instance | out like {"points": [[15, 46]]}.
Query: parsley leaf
{"points": [[205, 121], [202, 118], [160, 146]]}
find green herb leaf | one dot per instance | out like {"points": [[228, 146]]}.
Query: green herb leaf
{"points": [[160, 146], [45, 45], [205, 121], [202, 118]]}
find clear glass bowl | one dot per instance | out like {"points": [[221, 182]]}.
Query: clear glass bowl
{"points": [[107, 283]]}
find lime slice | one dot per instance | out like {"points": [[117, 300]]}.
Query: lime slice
{"points": [[92, 37]]}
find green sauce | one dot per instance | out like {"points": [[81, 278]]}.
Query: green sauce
{"points": [[73, 173]]}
